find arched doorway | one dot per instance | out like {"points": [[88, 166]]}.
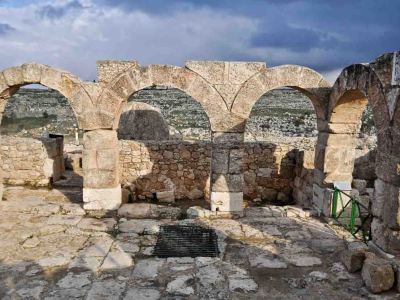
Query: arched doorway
{"points": [[41, 142], [165, 148], [280, 137]]}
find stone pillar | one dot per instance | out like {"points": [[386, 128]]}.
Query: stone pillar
{"points": [[226, 172], [2, 107], [334, 161], [101, 186]]}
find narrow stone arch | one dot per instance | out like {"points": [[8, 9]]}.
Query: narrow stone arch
{"points": [[137, 78], [303, 79], [67, 84], [356, 86]]}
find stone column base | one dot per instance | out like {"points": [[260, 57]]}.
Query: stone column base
{"points": [[322, 200], [102, 199], [227, 201]]}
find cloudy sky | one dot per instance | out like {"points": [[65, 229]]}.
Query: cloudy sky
{"points": [[325, 35]]}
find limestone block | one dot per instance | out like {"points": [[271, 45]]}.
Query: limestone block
{"points": [[109, 69], [182, 78], [223, 138], [226, 201], [386, 203], [379, 234], [387, 167], [13, 76], [166, 196], [377, 274], [250, 92], [100, 139], [353, 257], [32, 73], [269, 194], [393, 241], [195, 194], [339, 160], [102, 199], [123, 87], [107, 159], [3, 84], [322, 199], [212, 71], [239, 72], [227, 182], [71, 85], [220, 161], [98, 179], [360, 185], [51, 78]]}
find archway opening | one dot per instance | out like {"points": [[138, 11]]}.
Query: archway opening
{"points": [[280, 136], [352, 117], [41, 143], [165, 148]]}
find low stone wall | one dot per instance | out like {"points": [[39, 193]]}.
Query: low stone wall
{"points": [[28, 161], [269, 169], [149, 165], [304, 178]]}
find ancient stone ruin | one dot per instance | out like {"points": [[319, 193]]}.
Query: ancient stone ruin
{"points": [[128, 150]]}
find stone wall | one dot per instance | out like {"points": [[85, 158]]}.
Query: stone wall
{"points": [[149, 164], [27, 161], [269, 169]]}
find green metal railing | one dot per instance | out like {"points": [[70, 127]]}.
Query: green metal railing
{"points": [[352, 215]]}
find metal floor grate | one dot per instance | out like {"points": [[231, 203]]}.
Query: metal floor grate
{"points": [[186, 241]]}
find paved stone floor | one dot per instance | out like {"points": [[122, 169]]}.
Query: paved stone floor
{"points": [[49, 249]]}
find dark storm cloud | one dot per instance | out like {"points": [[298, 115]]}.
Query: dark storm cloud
{"points": [[5, 29], [55, 12], [325, 35]]}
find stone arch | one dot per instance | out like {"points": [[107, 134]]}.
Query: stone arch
{"points": [[135, 79], [303, 79], [356, 86], [68, 85]]}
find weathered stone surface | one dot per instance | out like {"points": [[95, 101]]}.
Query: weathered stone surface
{"points": [[102, 199], [142, 294], [140, 121], [92, 224], [182, 286], [116, 259], [140, 226], [377, 274], [226, 201], [353, 257], [106, 289]]}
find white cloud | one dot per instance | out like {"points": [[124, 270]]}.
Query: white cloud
{"points": [[79, 37]]}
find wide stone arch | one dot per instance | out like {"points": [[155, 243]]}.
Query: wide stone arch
{"points": [[135, 79], [303, 79], [69, 85]]}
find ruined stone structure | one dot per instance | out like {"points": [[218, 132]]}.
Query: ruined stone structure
{"points": [[31, 161], [227, 91]]}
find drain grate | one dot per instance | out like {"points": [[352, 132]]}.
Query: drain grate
{"points": [[186, 241]]}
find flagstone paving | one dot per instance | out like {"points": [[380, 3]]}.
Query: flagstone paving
{"points": [[49, 249]]}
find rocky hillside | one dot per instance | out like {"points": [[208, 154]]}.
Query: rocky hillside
{"points": [[281, 113]]}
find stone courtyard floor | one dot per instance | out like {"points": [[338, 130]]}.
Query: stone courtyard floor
{"points": [[49, 249]]}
